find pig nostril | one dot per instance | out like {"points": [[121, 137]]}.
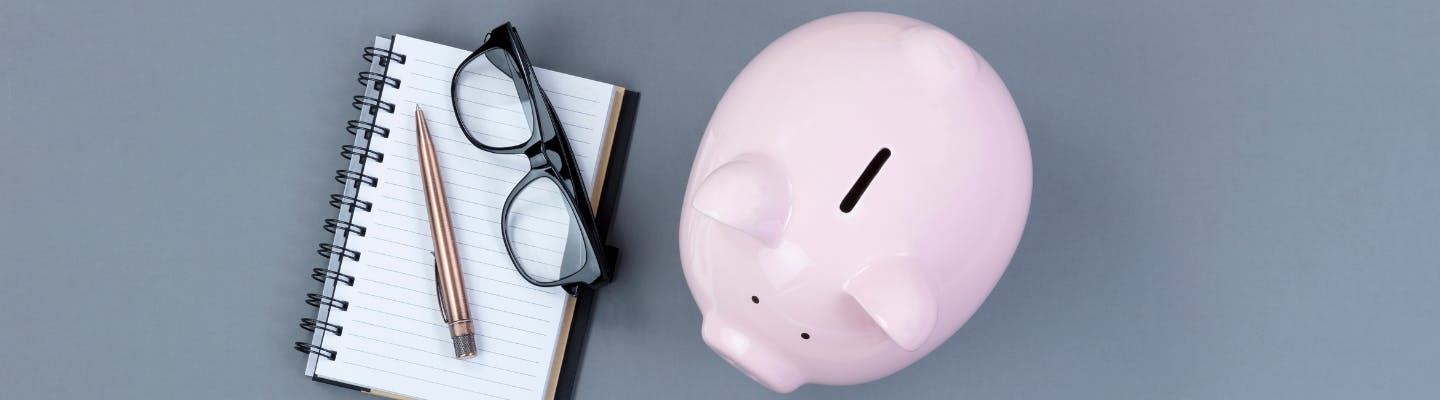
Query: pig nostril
{"points": [[754, 299], [804, 335]]}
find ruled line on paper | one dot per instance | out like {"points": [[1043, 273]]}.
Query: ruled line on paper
{"points": [[431, 279], [466, 244], [448, 357], [447, 339], [431, 323], [476, 291], [477, 304], [505, 79], [467, 260], [422, 380], [397, 140]]}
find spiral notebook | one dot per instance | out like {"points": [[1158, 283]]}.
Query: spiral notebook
{"points": [[378, 326]]}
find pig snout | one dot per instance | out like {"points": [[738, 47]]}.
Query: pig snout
{"points": [[751, 355]]}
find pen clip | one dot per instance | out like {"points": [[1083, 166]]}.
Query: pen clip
{"points": [[439, 297]]}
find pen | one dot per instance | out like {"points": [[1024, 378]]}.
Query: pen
{"points": [[449, 282]]}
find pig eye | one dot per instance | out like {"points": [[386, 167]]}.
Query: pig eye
{"points": [[804, 335], [754, 299], [857, 190]]}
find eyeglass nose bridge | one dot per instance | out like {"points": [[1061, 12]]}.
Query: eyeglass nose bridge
{"points": [[545, 155]]}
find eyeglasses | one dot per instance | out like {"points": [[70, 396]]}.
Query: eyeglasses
{"points": [[546, 224]]}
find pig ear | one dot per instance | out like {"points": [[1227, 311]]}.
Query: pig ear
{"points": [[749, 195], [898, 300], [938, 56]]}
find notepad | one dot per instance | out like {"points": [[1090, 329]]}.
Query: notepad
{"points": [[379, 326]]}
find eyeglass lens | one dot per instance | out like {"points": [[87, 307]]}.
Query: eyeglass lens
{"points": [[493, 105], [545, 237]]}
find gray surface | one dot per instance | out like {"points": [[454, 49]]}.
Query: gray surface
{"points": [[1231, 200]]}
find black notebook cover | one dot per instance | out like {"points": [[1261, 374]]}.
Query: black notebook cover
{"points": [[583, 314]]}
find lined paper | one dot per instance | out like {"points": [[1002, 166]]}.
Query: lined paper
{"points": [[393, 338]]}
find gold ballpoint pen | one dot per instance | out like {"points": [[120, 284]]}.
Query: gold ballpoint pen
{"points": [[449, 282]]}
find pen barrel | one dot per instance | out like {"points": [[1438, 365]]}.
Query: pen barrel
{"points": [[450, 282]]}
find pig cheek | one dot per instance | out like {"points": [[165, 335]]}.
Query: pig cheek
{"points": [[731, 261], [784, 264], [748, 262]]}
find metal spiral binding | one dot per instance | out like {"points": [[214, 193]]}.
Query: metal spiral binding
{"points": [[304, 347], [321, 274], [320, 299], [385, 56], [333, 225], [349, 151], [374, 104], [350, 177], [341, 201], [356, 127], [348, 201], [328, 250], [311, 324], [375, 80]]}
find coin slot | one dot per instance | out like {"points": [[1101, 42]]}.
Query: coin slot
{"points": [[858, 189]]}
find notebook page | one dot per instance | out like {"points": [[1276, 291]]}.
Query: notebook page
{"points": [[393, 338]]}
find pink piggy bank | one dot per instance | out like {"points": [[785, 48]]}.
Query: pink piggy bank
{"points": [[860, 189]]}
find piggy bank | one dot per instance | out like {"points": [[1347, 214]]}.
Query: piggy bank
{"points": [[858, 192]]}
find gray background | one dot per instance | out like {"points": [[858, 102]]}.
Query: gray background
{"points": [[1232, 199]]}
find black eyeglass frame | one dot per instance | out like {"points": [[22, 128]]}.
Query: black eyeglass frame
{"points": [[549, 153]]}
